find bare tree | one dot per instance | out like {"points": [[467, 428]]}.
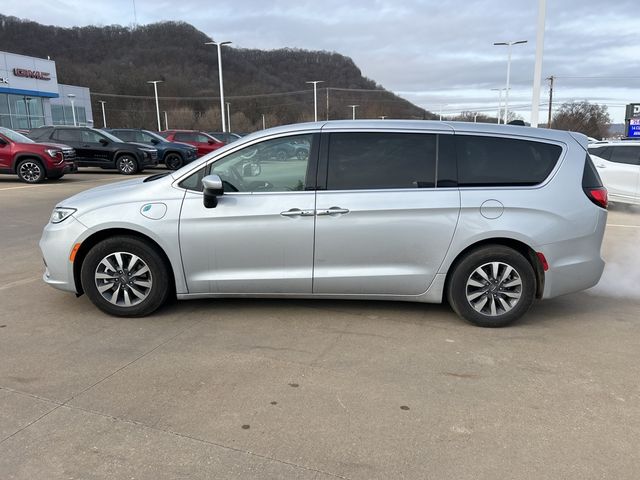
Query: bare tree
{"points": [[589, 118]]}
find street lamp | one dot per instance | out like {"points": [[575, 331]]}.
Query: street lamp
{"points": [[219, 45], [499, 90], [166, 121], [155, 89], [353, 111], [264, 123], [71, 96], [315, 97], [506, 100], [228, 116], [537, 72], [104, 117]]}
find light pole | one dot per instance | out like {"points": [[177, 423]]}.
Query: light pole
{"points": [[26, 106], [228, 116], [382, 117], [104, 116], [353, 111], [315, 97], [155, 89], [506, 99], [219, 47], [71, 96], [264, 123], [537, 72], [166, 121], [499, 90]]}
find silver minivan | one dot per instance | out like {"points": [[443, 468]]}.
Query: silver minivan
{"points": [[488, 217]]}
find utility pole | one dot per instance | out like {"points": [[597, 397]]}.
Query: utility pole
{"points": [[550, 99]]}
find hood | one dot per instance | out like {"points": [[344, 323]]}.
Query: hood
{"points": [[142, 146], [56, 145]]}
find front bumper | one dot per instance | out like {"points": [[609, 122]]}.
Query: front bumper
{"points": [[56, 244]]}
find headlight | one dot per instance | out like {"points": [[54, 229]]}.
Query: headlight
{"points": [[60, 214], [52, 152]]}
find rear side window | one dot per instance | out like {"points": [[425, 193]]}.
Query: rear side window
{"points": [[628, 155], [373, 160], [602, 152], [498, 161], [67, 135], [185, 137], [124, 135]]}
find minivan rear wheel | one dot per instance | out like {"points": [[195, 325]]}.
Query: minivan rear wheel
{"points": [[492, 286], [125, 276]]}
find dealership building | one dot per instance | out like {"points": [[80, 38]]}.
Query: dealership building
{"points": [[30, 95]]}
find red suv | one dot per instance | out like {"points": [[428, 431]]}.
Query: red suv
{"points": [[33, 162], [204, 142]]}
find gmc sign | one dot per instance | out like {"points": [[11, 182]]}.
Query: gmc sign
{"points": [[23, 72]]}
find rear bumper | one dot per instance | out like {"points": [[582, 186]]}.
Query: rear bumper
{"points": [[575, 264]]}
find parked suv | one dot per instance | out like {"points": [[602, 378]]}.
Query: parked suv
{"points": [[173, 154], [619, 166], [204, 142], [225, 137], [95, 148], [33, 162], [487, 216]]}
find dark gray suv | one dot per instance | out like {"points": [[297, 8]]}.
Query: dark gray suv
{"points": [[95, 148]]}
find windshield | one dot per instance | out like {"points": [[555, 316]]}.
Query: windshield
{"points": [[15, 136], [110, 136]]}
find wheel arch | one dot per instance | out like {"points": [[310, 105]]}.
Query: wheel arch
{"points": [[525, 250], [27, 156], [95, 238]]}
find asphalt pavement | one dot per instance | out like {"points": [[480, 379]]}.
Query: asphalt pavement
{"points": [[311, 389]]}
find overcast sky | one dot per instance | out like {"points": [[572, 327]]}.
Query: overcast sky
{"points": [[431, 52]]}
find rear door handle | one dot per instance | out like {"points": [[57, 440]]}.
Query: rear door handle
{"points": [[296, 212], [332, 211], [600, 166]]}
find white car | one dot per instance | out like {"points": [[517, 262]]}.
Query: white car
{"points": [[618, 164]]}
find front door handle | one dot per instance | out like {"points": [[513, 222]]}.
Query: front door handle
{"points": [[332, 211], [296, 212], [600, 166]]}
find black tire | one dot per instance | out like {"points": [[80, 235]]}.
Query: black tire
{"points": [[30, 170], [173, 161], [127, 164], [154, 285], [495, 293], [55, 176]]}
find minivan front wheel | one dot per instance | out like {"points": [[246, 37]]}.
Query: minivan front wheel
{"points": [[125, 276], [492, 286]]}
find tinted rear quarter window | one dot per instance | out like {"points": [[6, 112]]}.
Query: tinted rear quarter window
{"points": [[625, 154], [371, 160], [499, 161]]}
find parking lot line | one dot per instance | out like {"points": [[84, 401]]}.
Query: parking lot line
{"points": [[622, 226], [17, 283], [56, 184]]}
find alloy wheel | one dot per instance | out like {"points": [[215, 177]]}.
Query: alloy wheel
{"points": [[123, 279], [494, 289], [30, 171], [126, 165]]}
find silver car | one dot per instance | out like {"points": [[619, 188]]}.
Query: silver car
{"points": [[488, 217]]}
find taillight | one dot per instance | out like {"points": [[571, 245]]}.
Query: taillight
{"points": [[598, 196]]}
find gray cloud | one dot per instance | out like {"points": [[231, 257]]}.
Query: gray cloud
{"points": [[432, 51]]}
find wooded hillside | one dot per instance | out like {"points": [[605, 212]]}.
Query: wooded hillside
{"points": [[115, 62]]}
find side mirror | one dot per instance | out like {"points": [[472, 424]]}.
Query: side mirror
{"points": [[2, 142], [155, 141], [210, 142], [251, 169], [104, 142], [213, 188]]}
